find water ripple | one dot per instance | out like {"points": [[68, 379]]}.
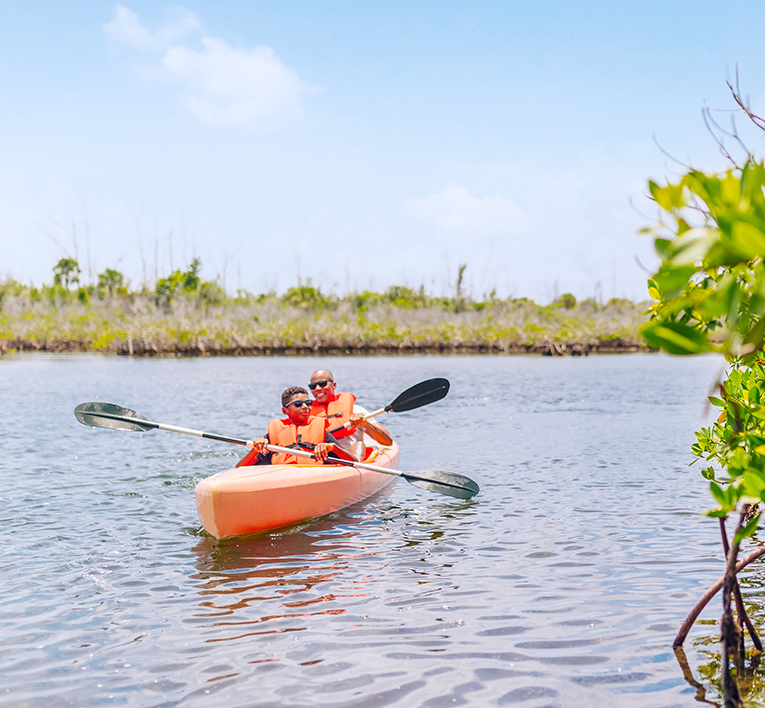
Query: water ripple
{"points": [[561, 584]]}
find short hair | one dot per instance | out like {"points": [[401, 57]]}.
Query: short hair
{"points": [[331, 375], [288, 393]]}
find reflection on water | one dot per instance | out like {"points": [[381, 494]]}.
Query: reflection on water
{"points": [[707, 646], [299, 572], [709, 686], [562, 584]]}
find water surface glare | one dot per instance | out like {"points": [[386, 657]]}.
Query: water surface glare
{"points": [[561, 584]]}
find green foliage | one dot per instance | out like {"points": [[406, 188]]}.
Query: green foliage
{"points": [[66, 270], [404, 297], [619, 304], [305, 296], [364, 300], [212, 293], [736, 441], [709, 295], [110, 282], [178, 281], [712, 277], [567, 301], [186, 314], [10, 287], [591, 304]]}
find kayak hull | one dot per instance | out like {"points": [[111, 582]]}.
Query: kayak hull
{"points": [[250, 499]]}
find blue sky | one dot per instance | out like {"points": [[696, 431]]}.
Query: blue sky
{"points": [[358, 144]]}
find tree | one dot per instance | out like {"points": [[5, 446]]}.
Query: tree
{"points": [[709, 295], [306, 296], [184, 281], [567, 301], [68, 270], [111, 280]]}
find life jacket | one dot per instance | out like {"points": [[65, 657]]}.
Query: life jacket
{"points": [[338, 412], [284, 433]]}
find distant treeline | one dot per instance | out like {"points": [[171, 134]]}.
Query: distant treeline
{"points": [[186, 315]]}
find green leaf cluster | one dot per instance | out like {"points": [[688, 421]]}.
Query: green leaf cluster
{"points": [[709, 290], [306, 296], [189, 283], [709, 295], [735, 442], [66, 271], [178, 281]]}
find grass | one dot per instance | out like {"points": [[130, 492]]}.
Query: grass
{"points": [[198, 322]]}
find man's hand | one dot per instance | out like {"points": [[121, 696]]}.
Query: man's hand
{"points": [[357, 421], [374, 430]]}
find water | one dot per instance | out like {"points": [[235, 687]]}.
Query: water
{"points": [[561, 584]]}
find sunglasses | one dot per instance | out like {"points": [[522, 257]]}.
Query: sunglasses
{"points": [[320, 384], [299, 403]]}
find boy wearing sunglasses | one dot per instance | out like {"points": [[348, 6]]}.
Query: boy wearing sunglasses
{"points": [[299, 430], [341, 408]]}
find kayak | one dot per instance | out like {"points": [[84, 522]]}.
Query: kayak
{"points": [[263, 497]]}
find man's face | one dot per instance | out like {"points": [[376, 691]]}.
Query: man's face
{"points": [[298, 409], [322, 386]]}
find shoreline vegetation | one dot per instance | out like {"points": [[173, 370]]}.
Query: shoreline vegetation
{"points": [[186, 316]]}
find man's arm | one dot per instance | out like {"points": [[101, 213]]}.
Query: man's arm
{"points": [[355, 453], [374, 430]]}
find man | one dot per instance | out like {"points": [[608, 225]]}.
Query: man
{"points": [[341, 408], [299, 430]]}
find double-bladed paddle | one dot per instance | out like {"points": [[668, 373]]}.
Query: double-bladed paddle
{"points": [[110, 415], [416, 396]]}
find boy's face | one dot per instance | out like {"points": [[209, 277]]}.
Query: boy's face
{"points": [[298, 412]]}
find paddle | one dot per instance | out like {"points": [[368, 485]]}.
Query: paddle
{"points": [[110, 415], [416, 396]]}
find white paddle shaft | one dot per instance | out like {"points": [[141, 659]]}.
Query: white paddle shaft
{"points": [[176, 429]]}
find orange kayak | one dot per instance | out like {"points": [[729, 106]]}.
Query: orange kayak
{"points": [[250, 499]]}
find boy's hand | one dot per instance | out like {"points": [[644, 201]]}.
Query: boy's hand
{"points": [[259, 444]]}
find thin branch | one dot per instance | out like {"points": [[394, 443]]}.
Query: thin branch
{"points": [[686, 166], [707, 596], [744, 105], [714, 128]]}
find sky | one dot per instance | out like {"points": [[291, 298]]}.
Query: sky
{"points": [[360, 145]]}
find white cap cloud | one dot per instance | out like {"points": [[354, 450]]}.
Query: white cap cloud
{"points": [[457, 211], [126, 27], [221, 84]]}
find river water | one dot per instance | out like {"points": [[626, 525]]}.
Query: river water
{"points": [[562, 583]]}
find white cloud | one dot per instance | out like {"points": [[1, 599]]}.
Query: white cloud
{"points": [[234, 86], [457, 211], [221, 85], [126, 27]]}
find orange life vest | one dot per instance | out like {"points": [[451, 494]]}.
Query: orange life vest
{"points": [[338, 412], [285, 433]]}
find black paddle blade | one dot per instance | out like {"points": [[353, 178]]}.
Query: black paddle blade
{"points": [[110, 415], [420, 394], [449, 483]]}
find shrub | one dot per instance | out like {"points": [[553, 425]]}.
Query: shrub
{"points": [[567, 301]]}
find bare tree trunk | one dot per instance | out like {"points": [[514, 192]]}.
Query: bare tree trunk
{"points": [[730, 630], [740, 609]]}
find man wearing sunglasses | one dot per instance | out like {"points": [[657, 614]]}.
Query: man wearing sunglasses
{"points": [[299, 430], [341, 408]]}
